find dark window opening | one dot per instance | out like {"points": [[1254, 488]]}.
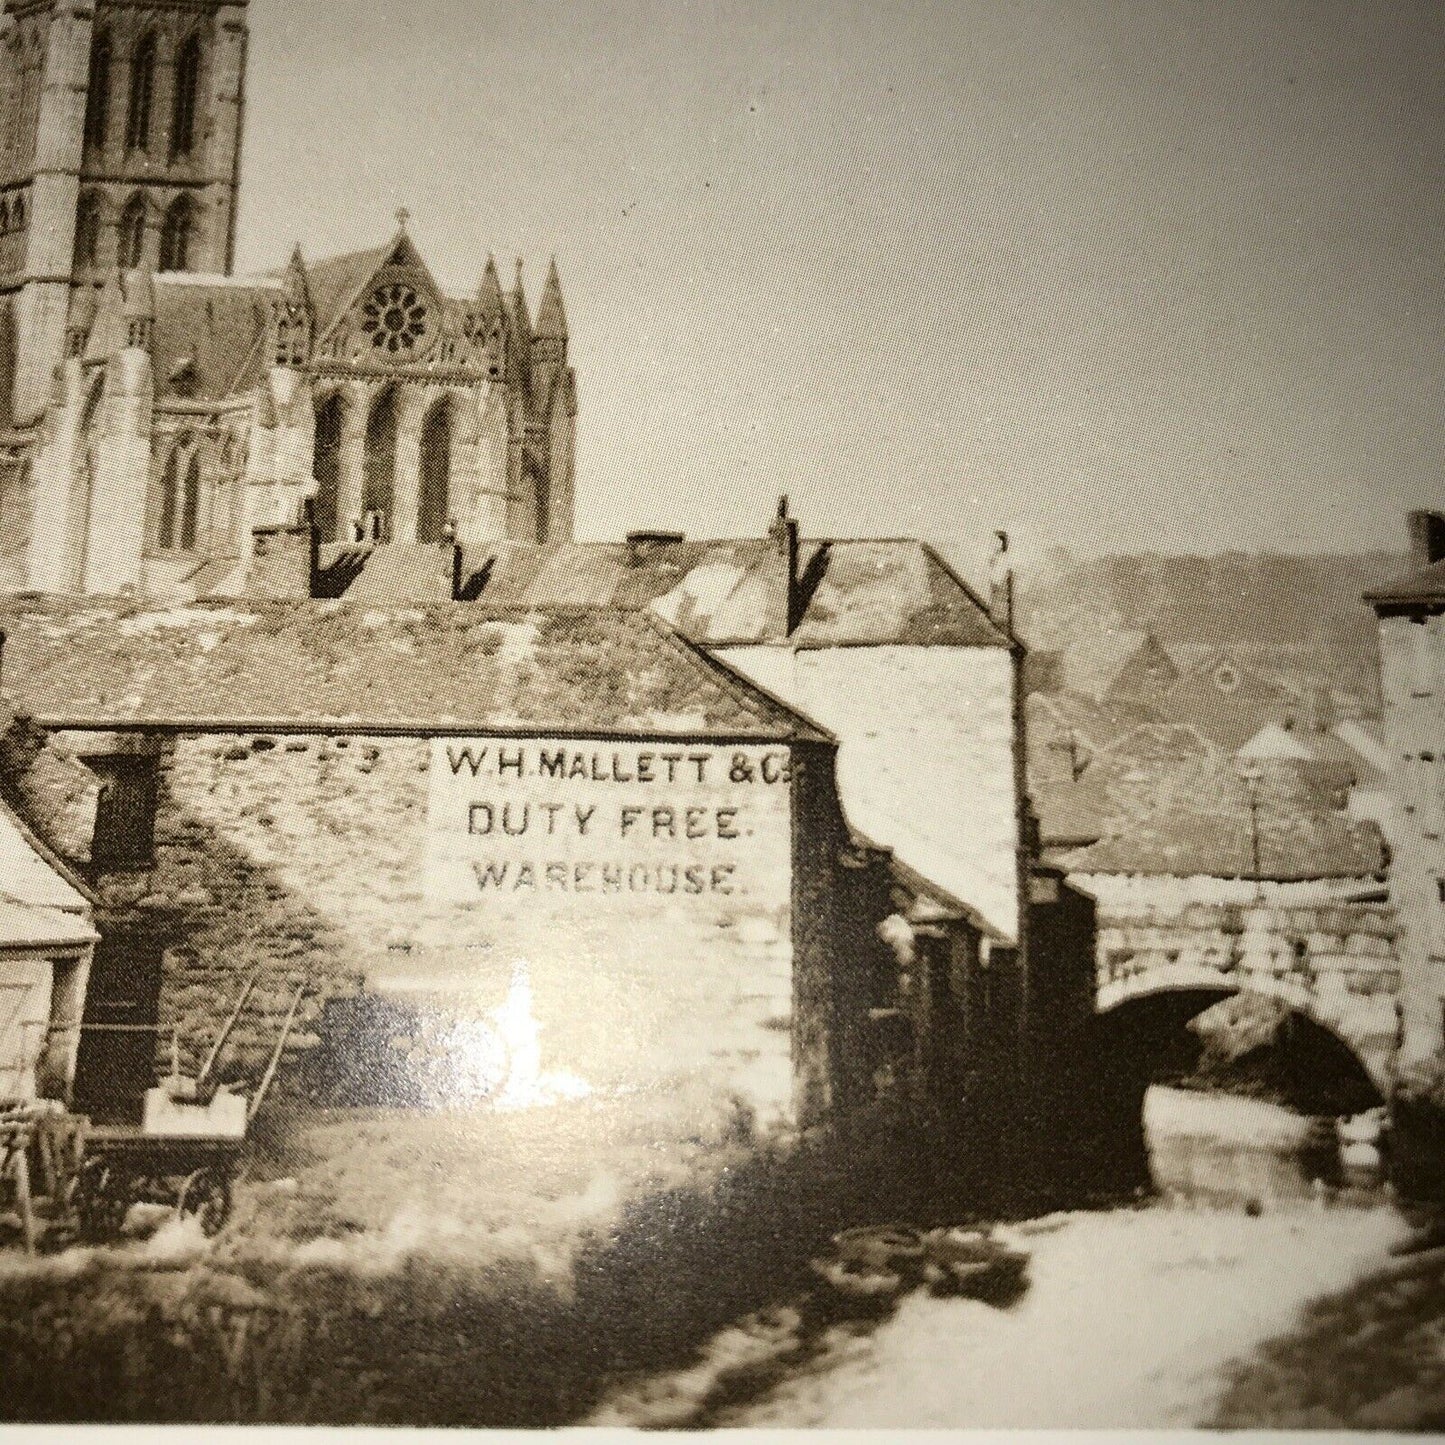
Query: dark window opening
{"points": [[180, 499], [176, 237], [191, 504], [379, 485], [436, 466], [116, 1061], [97, 101], [142, 96], [125, 818], [87, 232], [132, 239], [330, 421], [166, 531], [183, 115]]}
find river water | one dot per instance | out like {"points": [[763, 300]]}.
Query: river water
{"points": [[1132, 1317]]}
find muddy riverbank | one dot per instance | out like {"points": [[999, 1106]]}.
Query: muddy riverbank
{"points": [[1134, 1317]]}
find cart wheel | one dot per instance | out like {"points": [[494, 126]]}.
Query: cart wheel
{"points": [[102, 1200], [206, 1194]]}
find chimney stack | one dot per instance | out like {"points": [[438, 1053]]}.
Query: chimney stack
{"points": [[784, 536], [1427, 539], [1001, 585]]}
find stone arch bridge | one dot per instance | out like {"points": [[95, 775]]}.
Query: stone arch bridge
{"points": [[1333, 962]]}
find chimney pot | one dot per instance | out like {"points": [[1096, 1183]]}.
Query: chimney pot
{"points": [[641, 545], [1427, 538]]}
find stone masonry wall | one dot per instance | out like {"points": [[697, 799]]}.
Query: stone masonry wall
{"points": [[1412, 677], [1335, 961], [340, 861]]}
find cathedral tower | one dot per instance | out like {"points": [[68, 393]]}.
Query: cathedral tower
{"points": [[120, 131]]}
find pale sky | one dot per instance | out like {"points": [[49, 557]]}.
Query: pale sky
{"points": [[1116, 274]]}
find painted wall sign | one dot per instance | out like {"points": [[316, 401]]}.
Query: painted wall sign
{"points": [[611, 824]]}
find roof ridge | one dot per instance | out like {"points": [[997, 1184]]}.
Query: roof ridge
{"points": [[972, 596], [743, 690]]}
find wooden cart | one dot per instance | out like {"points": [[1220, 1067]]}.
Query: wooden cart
{"points": [[124, 1166], [187, 1152]]}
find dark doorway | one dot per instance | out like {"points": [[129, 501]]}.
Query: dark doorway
{"points": [[436, 469], [116, 1062], [125, 816], [330, 422], [378, 494]]}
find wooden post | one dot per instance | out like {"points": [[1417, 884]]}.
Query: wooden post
{"points": [[15, 1135], [276, 1054], [22, 1187], [226, 1029]]}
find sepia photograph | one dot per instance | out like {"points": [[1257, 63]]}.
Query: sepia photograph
{"points": [[722, 715]]}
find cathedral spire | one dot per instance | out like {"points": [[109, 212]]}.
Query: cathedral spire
{"points": [[520, 315], [551, 314], [489, 293], [298, 286]]}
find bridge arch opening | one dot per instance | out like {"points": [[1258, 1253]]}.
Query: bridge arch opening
{"points": [[1221, 1041]]}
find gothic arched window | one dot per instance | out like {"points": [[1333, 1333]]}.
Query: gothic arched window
{"points": [[132, 238], [191, 504], [17, 216], [87, 231], [180, 498], [4, 218], [97, 100], [183, 111], [166, 531], [330, 428], [434, 499], [176, 236], [142, 95], [379, 479]]}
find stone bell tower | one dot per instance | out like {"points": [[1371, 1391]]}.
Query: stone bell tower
{"points": [[120, 138]]}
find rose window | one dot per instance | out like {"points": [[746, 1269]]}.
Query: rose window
{"points": [[395, 318]]}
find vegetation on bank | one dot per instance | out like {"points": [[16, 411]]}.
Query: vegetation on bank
{"points": [[377, 1284]]}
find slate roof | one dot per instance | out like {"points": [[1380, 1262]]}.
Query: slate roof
{"points": [[1170, 802], [574, 671], [28, 878], [213, 323], [335, 280], [1096, 723], [716, 593], [22, 926], [1320, 749], [1092, 664]]}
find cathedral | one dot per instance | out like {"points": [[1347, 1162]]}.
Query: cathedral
{"points": [[156, 409]]}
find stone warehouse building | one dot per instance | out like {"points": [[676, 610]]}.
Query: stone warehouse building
{"points": [[268, 767], [438, 801], [155, 408], [886, 646]]}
